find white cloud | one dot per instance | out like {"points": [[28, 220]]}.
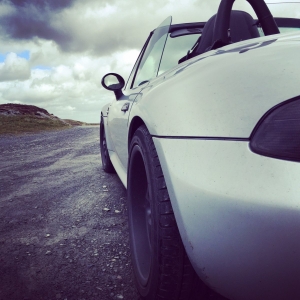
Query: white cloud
{"points": [[14, 68], [70, 90]]}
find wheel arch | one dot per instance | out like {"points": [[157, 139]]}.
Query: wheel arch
{"points": [[135, 123]]}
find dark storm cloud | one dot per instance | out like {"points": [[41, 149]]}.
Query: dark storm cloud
{"points": [[32, 18], [46, 19], [42, 4]]}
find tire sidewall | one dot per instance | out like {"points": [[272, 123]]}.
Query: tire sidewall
{"points": [[104, 163], [139, 144]]}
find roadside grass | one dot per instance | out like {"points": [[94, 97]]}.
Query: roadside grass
{"points": [[79, 123], [29, 124], [74, 123]]}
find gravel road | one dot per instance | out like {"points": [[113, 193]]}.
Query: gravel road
{"points": [[63, 221]]}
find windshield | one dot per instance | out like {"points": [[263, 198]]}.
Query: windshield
{"points": [[176, 48], [151, 60]]}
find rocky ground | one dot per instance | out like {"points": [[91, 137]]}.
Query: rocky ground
{"points": [[63, 221]]}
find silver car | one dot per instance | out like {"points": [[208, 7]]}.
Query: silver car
{"points": [[205, 136]]}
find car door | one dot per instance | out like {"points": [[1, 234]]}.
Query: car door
{"points": [[145, 69], [117, 123]]}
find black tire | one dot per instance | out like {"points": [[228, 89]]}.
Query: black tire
{"points": [[106, 162], [161, 267]]}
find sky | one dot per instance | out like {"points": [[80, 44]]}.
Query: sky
{"points": [[54, 53]]}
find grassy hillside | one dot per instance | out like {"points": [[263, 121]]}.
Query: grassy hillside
{"points": [[20, 124], [74, 123], [17, 118]]}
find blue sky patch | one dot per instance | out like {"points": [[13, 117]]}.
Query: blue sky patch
{"points": [[24, 54], [40, 67], [2, 57]]}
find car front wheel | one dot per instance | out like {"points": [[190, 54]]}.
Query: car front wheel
{"points": [[106, 162]]}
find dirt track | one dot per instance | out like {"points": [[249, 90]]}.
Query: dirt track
{"points": [[63, 221], [56, 241]]}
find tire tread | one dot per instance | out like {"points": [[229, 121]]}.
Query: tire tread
{"points": [[176, 279]]}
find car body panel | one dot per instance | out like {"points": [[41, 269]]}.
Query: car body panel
{"points": [[211, 97], [116, 125], [238, 214], [119, 168], [204, 91]]}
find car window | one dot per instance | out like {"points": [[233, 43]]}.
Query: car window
{"points": [[288, 29], [150, 62], [175, 49], [281, 29]]}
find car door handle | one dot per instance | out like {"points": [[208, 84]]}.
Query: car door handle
{"points": [[125, 107]]}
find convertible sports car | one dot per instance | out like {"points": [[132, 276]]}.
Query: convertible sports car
{"points": [[205, 136]]}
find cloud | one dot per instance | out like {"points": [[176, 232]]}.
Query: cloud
{"points": [[73, 43], [102, 27], [118, 26], [14, 68], [97, 27], [42, 4], [25, 19], [71, 90]]}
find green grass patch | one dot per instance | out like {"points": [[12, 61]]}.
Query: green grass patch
{"points": [[74, 123], [29, 124]]}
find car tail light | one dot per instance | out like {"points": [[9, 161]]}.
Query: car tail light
{"points": [[278, 132]]}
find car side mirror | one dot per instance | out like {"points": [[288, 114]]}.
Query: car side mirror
{"points": [[113, 82]]}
